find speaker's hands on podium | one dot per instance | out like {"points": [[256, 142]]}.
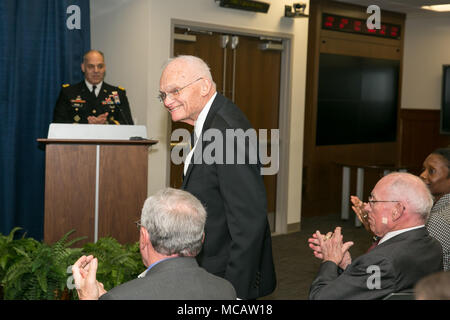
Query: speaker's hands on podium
{"points": [[101, 119]]}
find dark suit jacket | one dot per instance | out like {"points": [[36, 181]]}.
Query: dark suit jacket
{"points": [[174, 279], [76, 103], [398, 263], [238, 243]]}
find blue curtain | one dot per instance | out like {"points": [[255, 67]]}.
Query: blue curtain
{"points": [[41, 47]]}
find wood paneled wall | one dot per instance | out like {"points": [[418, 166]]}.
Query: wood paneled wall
{"points": [[321, 175], [420, 135]]}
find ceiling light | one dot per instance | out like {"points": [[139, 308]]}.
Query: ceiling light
{"points": [[439, 7]]}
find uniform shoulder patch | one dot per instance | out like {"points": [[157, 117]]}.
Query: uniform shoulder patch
{"points": [[65, 85], [121, 88]]}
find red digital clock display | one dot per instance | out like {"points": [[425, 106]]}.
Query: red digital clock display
{"points": [[345, 24]]}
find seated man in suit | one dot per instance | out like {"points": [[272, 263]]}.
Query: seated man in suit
{"points": [[398, 209], [171, 235], [92, 100]]}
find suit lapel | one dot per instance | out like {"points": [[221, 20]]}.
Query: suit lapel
{"points": [[196, 157]]}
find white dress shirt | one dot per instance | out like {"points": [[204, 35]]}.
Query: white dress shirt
{"points": [[90, 86], [392, 234], [198, 127]]}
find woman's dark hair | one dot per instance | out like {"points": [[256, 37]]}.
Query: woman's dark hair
{"points": [[445, 153]]}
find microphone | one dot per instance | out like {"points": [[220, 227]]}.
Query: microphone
{"points": [[123, 116], [117, 104]]}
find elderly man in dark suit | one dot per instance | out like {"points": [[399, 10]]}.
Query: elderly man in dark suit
{"points": [[397, 209], [238, 243], [171, 235], [92, 100]]}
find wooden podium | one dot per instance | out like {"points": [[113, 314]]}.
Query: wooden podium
{"points": [[97, 187]]}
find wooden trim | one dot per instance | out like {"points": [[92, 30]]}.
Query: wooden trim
{"points": [[359, 38], [350, 47], [354, 11], [97, 141]]}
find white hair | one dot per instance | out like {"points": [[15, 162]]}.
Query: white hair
{"points": [[201, 67], [412, 190], [175, 221]]}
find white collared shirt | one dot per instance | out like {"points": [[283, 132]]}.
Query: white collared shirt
{"points": [[97, 88], [198, 127], [392, 234]]}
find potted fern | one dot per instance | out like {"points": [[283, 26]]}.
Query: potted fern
{"points": [[116, 263], [11, 250], [40, 273], [35, 270]]}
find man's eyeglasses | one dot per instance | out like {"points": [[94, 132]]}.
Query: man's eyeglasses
{"points": [[175, 92], [372, 201], [138, 224]]}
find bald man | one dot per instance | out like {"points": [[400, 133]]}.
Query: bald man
{"points": [[92, 100], [398, 209], [238, 245]]}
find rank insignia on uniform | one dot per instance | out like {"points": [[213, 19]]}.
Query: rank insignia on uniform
{"points": [[123, 89], [77, 102], [65, 85]]}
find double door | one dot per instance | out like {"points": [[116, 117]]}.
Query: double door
{"points": [[246, 69]]}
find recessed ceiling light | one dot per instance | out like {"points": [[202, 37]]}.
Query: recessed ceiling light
{"points": [[439, 7]]}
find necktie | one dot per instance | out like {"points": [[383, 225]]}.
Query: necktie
{"points": [[93, 90], [374, 243]]}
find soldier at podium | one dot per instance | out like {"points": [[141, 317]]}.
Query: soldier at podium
{"points": [[92, 100]]}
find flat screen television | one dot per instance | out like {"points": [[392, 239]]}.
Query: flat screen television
{"points": [[357, 100], [445, 103]]}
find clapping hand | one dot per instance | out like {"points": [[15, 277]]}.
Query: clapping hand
{"points": [[101, 119], [361, 212], [84, 273], [330, 247]]}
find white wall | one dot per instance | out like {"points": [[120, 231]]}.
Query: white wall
{"points": [[119, 28], [135, 36], [426, 49]]}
